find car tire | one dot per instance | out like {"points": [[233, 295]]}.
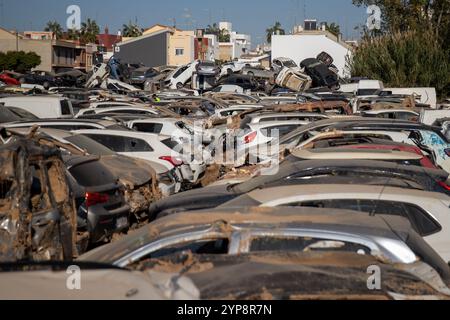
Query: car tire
{"points": [[229, 72], [179, 85]]}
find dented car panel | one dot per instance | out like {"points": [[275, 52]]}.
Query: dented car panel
{"points": [[37, 211]]}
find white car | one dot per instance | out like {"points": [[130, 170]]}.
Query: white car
{"points": [[279, 63], [175, 128], [180, 76], [428, 212], [152, 147], [399, 114], [133, 110], [256, 140], [43, 107], [231, 67]]}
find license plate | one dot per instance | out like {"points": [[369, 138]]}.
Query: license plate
{"points": [[121, 222]]}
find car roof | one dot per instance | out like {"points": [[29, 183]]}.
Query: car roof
{"points": [[343, 153], [354, 190], [76, 121]]}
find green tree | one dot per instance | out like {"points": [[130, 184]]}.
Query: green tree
{"points": [[334, 28], [411, 49], [89, 31], [19, 61], [131, 30], [73, 34], [275, 29], [213, 29], [55, 28]]}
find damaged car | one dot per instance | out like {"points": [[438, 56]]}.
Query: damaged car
{"points": [[37, 212]]}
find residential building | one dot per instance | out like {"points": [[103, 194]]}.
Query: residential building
{"points": [[204, 48], [106, 43], [309, 43], [38, 35], [158, 45], [55, 54], [239, 43]]}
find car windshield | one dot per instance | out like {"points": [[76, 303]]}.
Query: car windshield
{"points": [[290, 64], [91, 146]]}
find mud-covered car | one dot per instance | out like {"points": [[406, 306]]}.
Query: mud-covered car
{"points": [[37, 210], [279, 275]]}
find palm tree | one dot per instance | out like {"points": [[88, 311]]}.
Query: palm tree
{"points": [[131, 30], [334, 28], [89, 31], [214, 29], [55, 28], [275, 29], [73, 34]]}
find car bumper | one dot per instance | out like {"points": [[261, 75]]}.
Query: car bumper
{"points": [[103, 223]]}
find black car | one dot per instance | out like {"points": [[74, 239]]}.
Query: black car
{"points": [[99, 198], [245, 82], [43, 78], [320, 73], [293, 172]]}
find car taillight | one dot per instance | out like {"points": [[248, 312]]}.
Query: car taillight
{"points": [[444, 185], [93, 198], [174, 161], [250, 137]]}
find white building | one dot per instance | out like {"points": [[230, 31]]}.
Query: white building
{"points": [[308, 44], [214, 47], [239, 43]]}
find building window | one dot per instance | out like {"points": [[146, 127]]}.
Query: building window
{"points": [[179, 51]]}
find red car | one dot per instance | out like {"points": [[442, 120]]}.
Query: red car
{"points": [[10, 78], [425, 161]]}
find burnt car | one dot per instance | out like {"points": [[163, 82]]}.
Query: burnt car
{"points": [[320, 73], [37, 212], [102, 210]]}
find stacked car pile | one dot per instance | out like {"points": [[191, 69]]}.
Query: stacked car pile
{"points": [[285, 193]]}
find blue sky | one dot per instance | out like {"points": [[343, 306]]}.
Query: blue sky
{"points": [[247, 16]]}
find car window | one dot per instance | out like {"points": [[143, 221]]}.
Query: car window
{"points": [[65, 107], [278, 131], [207, 246], [121, 144], [93, 173], [420, 220], [90, 145], [305, 244], [148, 127]]}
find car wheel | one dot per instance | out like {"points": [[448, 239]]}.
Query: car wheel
{"points": [[46, 85], [229, 72], [179, 85]]}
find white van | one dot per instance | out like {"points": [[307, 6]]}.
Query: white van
{"points": [[43, 107]]}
